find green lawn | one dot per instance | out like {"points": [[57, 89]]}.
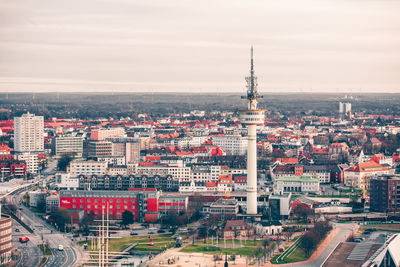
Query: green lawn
{"points": [[296, 256], [119, 244], [244, 251]]}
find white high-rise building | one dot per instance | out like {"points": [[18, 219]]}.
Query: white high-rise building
{"points": [[28, 133]]}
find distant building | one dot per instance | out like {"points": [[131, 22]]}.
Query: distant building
{"points": [[71, 145], [36, 197], [237, 229], [142, 204], [385, 193], [359, 175], [31, 160], [52, 203], [120, 182], [100, 148], [280, 205], [224, 208], [29, 133], [305, 183], [102, 134], [87, 168], [231, 144], [172, 203]]}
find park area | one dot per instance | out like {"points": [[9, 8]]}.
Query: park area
{"points": [[160, 243]]}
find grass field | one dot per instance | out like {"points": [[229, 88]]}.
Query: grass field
{"points": [[119, 244], [296, 256], [211, 250]]}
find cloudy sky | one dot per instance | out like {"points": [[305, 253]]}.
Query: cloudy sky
{"points": [[200, 45]]}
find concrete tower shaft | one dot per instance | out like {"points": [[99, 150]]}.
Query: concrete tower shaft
{"points": [[252, 117]]}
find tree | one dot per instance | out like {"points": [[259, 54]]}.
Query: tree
{"points": [[85, 223], [309, 242], [127, 218], [41, 206], [63, 162], [302, 210], [60, 218]]}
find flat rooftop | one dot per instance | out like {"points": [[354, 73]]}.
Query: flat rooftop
{"points": [[349, 254]]}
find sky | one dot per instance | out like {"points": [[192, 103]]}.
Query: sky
{"points": [[200, 46]]}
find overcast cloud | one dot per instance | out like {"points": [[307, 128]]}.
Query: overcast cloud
{"points": [[199, 46]]}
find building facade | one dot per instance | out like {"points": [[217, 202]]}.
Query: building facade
{"points": [[71, 145], [29, 133], [142, 204], [385, 193], [6, 245]]}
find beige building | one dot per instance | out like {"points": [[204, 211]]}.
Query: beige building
{"points": [[359, 175]]}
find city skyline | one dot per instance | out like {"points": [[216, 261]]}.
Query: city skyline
{"points": [[129, 46]]}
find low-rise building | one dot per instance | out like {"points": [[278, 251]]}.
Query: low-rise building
{"points": [[87, 168], [224, 208], [305, 183], [237, 229]]}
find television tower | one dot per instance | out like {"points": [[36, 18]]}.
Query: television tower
{"points": [[252, 117]]}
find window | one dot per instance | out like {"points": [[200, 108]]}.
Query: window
{"points": [[74, 200], [118, 207], [96, 200], [88, 206]]}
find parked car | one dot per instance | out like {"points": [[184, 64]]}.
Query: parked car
{"points": [[151, 233], [24, 239], [16, 230], [161, 231], [133, 233], [60, 247]]}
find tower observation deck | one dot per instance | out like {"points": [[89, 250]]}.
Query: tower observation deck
{"points": [[252, 116]]}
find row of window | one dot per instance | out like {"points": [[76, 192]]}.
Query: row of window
{"points": [[103, 206], [103, 200]]}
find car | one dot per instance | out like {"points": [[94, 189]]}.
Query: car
{"points": [[75, 235], [151, 233], [60, 247], [134, 233], [161, 231], [24, 239], [16, 230]]}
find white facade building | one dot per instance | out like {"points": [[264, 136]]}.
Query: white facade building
{"points": [[32, 161], [65, 181], [231, 144], [296, 184], [29, 133], [87, 168]]}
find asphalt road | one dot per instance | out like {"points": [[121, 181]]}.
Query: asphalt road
{"points": [[46, 232], [30, 256], [64, 258], [343, 231]]}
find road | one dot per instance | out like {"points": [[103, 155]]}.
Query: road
{"points": [[342, 232], [49, 234], [30, 253]]}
